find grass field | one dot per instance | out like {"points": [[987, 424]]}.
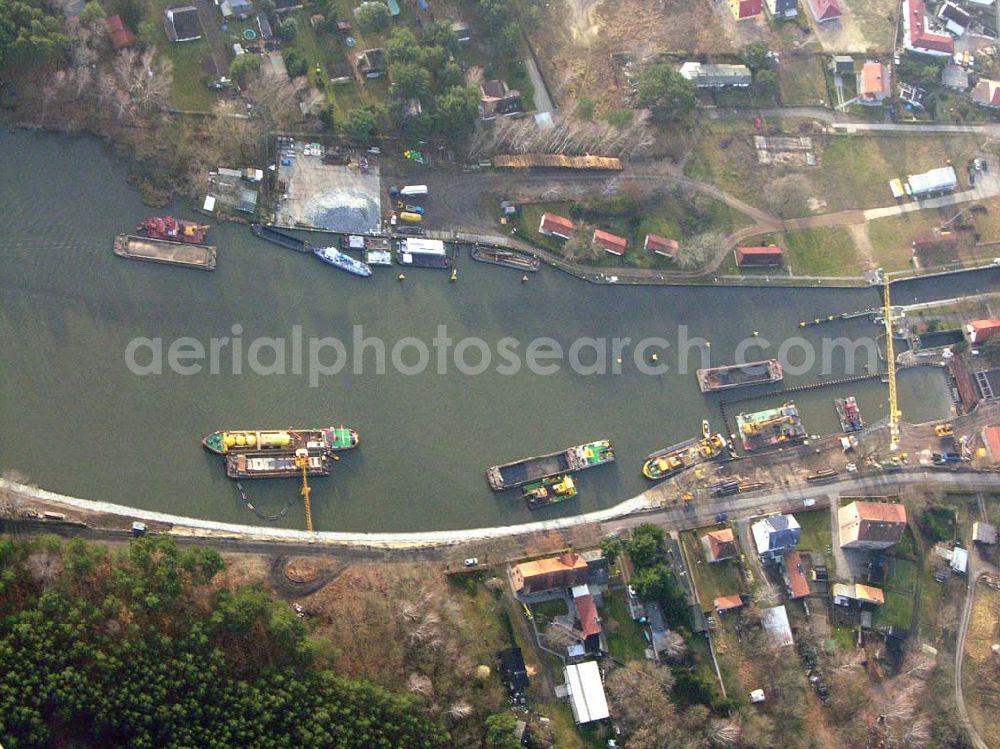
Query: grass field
{"points": [[803, 81], [874, 18], [896, 611], [625, 639], [712, 580], [816, 534], [903, 575], [811, 252], [852, 171]]}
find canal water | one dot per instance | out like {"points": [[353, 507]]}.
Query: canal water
{"points": [[75, 419]]}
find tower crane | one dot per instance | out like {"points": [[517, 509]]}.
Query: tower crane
{"points": [[302, 463], [890, 356]]}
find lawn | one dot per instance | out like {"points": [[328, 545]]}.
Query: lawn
{"points": [[845, 637], [874, 18], [712, 580], [189, 91], [626, 641], [853, 170], [816, 535], [549, 610], [810, 252], [803, 81], [896, 611], [902, 575]]}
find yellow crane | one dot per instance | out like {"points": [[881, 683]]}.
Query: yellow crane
{"points": [[890, 356], [302, 463]]}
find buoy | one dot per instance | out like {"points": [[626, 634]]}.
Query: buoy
{"points": [[755, 334], [402, 277], [524, 278], [336, 457], [454, 274], [654, 357], [619, 360]]}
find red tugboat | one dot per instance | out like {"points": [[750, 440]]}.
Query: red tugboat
{"points": [[170, 228]]}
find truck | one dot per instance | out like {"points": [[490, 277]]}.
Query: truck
{"points": [[410, 218], [408, 191], [946, 459]]}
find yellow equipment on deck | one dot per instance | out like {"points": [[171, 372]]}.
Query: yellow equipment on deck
{"points": [[890, 357], [302, 463], [944, 430], [753, 427]]}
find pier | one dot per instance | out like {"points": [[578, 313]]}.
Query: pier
{"points": [[202, 257]]}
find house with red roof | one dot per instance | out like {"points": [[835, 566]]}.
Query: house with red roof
{"points": [[553, 225], [917, 36], [980, 331], [611, 243], [759, 257], [120, 36], [873, 84], [825, 10], [719, 545], [727, 603], [871, 525], [744, 9], [795, 576], [661, 245], [987, 93]]}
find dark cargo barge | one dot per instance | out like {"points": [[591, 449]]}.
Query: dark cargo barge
{"points": [[520, 472], [739, 375]]}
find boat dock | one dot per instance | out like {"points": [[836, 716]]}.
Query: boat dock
{"points": [[520, 472], [200, 256], [507, 258]]}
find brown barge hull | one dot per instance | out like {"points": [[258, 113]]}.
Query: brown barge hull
{"points": [[202, 257]]}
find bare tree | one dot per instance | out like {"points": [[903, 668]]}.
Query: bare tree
{"points": [[275, 99], [699, 250]]}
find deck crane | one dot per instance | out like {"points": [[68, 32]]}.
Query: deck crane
{"points": [[890, 356], [302, 463]]}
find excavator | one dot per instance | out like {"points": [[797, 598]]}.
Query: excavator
{"points": [[756, 427]]}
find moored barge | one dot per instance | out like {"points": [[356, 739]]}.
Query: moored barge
{"points": [[578, 458], [281, 238], [672, 460], [507, 258], [259, 465], [849, 414], [200, 256], [714, 379], [774, 427], [322, 439]]}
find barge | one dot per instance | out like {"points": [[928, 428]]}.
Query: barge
{"points": [[261, 465], [281, 238], [774, 427], [578, 458], [421, 260], [548, 491], [202, 257], [714, 379], [849, 414], [507, 258], [174, 230], [672, 460], [322, 439], [376, 250]]}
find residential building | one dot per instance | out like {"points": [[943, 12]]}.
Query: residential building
{"points": [[842, 64], [955, 77], [719, 545], [794, 576], [759, 257], [940, 180], [873, 84], [553, 225], [462, 31], [980, 331], [775, 622], [987, 93], [120, 36], [182, 23], [825, 10], [984, 533], [586, 692], [776, 534], [590, 621], [611, 243], [956, 21], [959, 560], [716, 76], [236, 8], [912, 96], [727, 603], [856, 594], [563, 571], [495, 99], [871, 525], [661, 245], [744, 9], [917, 36], [782, 8]]}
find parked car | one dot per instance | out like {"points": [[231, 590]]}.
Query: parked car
{"points": [[472, 561]]}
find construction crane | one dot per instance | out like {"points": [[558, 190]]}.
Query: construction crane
{"points": [[302, 463], [890, 356]]}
